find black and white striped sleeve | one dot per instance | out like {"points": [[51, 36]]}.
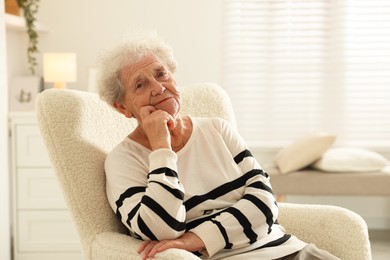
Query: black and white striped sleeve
{"points": [[249, 219], [148, 201]]}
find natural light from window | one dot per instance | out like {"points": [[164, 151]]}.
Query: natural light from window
{"points": [[294, 67]]}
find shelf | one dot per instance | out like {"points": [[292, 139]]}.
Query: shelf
{"points": [[17, 23]]}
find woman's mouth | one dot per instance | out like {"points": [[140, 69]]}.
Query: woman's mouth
{"points": [[167, 96]]}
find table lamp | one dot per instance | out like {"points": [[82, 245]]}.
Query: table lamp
{"points": [[59, 68]]}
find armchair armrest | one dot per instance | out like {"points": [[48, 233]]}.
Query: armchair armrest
{"points": [[335, 229], [111, 245]]}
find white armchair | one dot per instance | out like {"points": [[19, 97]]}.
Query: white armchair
{"points": [[79, 130]]}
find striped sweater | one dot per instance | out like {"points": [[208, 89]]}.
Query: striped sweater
{"points": [[212, 187]]}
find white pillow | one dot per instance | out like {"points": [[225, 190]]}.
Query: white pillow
{"points": [[386, 169], [303, 152], [348, 159]]}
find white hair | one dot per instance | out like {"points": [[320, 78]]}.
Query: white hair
{"points": [[133, 48]]}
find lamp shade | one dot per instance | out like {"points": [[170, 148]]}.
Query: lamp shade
{"points": [[59, 68]]}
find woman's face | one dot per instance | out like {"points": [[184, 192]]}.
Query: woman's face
{"points": [[148, 83]]}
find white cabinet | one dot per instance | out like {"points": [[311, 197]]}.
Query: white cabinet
{"points": [[5, 220], [42, 226]]}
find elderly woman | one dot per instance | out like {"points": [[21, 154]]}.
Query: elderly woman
{"points": [[182, 182]]}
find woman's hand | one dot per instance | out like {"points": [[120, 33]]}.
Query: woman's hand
{"points": [[188, 241], [156, 125]]}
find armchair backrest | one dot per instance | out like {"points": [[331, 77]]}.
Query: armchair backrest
{"points": [[79, 130]]}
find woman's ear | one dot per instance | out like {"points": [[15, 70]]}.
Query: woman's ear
{"points": [[123, 109]]}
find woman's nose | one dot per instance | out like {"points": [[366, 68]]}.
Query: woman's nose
{"points": [[158, 88]]}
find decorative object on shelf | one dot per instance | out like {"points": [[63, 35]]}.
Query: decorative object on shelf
{"points": [[12, 7], [22, 93], [59, 68], [30, 9]]}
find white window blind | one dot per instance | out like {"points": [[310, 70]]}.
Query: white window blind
{"points": [[293, 67]]}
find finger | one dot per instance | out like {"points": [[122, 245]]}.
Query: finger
{"points": [[146, 110], [152, 252], [168, 245], [162, 246], [148, 248], [142, 247], [171, 123]]}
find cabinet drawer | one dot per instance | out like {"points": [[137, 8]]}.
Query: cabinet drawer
{"points": [[47, 231], [38, 189], [30, 149]]}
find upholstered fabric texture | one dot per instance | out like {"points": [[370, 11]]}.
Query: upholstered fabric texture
{"points": [[79, 130]]}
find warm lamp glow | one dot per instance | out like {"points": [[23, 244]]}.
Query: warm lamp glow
{"points": [[59, 68]]}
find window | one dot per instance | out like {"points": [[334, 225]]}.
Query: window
{"points": [[293, 67]]}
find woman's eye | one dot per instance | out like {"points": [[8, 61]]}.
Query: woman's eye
{"points": [[139, 85], [162, 74]]}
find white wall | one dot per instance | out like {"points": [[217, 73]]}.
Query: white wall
{"points": [[5, 252], [192, 28]]}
